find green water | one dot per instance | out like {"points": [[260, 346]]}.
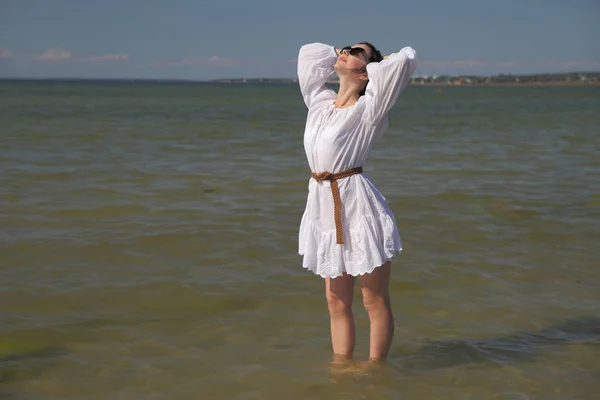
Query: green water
{"points": [[149, 235]]}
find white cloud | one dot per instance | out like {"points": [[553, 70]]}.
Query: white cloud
{"points": [[5, 53], [214, 61], [459, 63], [54, 54], [541, 66], [469, 63], [58, 54], [104, 57]]}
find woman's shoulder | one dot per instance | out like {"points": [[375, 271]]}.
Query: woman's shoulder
{"points": [[325, 97]]}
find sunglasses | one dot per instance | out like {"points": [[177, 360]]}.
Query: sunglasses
{"points": [[355, 51]]}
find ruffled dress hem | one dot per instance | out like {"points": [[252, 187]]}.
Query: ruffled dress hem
{"points": [[360, 254], [367, 271]]}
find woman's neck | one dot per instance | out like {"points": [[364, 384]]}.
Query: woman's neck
{"points": [[347, 96]]}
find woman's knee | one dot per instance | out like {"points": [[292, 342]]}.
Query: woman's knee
{"points": [[339, 293], [376, 303], [337, 304], [375, 289]]}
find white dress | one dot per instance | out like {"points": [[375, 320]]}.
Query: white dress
{"points": [[336, 140]]}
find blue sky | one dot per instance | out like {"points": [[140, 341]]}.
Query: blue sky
{"points": [[208, 39]]}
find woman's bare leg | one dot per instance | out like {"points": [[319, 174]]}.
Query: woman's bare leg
{"points": [[339, 293], [376, 298]]}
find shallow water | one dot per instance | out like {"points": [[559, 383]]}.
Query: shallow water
{"points": [[148, 245]]}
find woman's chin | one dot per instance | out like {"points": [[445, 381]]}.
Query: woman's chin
{"points": [[340, 70]]}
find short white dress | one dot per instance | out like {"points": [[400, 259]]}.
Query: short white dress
{"points": [[340, 139]]}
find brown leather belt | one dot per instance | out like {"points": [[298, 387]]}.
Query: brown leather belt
{"points": [[337, 202]]}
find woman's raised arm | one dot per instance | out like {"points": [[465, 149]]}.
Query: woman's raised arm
{"points": [[387, 79], [315, 66]]}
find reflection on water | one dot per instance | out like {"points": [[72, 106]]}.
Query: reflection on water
{"points": [[516, 348]]}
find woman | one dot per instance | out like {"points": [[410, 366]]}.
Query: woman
{"points": [[347, 229]]}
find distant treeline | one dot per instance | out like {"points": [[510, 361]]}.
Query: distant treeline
{"points": [[554, 78], [571, 77]]}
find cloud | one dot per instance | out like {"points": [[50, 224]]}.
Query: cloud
{"points": [[508, 64], [214, 61], [469, 63], [5, 53], [553, 64], [54, 54], [539, 66], [58, 54], [456, 63], [104, 57], [433, 64]]}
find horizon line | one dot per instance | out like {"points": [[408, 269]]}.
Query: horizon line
{"points": [[273, 78]]}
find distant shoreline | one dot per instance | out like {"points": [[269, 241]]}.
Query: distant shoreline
{"points": [[425, 84], [578, 83], [554, 79], [542, 79]]}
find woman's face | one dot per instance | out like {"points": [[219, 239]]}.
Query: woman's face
{"points": [[354, 57]]}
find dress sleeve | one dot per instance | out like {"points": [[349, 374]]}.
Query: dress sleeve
{"points": [[315, 66], [387, 79]]}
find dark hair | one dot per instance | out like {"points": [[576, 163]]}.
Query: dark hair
{"points": [[375, 57]]}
